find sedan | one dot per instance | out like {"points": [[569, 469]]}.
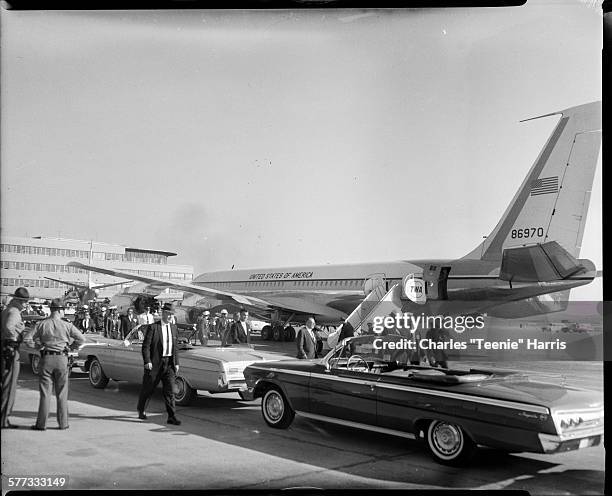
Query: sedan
{"points": [[365, 382], [208, 368]]}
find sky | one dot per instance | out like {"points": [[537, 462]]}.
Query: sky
{"points": [[263, 139]]}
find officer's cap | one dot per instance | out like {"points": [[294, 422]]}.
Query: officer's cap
{"points": [[57, 304], [22, 294]]}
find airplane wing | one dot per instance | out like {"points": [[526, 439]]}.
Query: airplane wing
{"points": [[70, 283], [84, 286], [180, 286]]}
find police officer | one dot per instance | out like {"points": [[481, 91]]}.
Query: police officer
{"points": [[204, 327], [12, 327], [52, 337]]}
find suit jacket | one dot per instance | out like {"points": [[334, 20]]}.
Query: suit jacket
{"points": [[306, 346], [90, 327], [108, 328], [127, 325], [153, 346], [237, 333]]}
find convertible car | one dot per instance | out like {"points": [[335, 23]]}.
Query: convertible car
{"points": [[365, 382], [209, 368], [28, 353]]}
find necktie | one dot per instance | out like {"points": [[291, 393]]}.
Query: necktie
{"points": [[167, 339]]}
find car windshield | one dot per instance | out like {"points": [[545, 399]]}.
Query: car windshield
{"points": [[370, 347], [136, 335], [387, 356]]}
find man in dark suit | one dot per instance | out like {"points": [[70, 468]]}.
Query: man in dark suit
{"points": [[159, 352], [240, 330], [128, 322], [307, 340], [86, 324]]}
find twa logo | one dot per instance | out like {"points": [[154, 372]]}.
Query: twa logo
{"points": [[414, 289]]}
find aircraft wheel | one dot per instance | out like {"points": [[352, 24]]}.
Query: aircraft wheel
{"points": [[277, 333], [289, 333], [266, 332]]}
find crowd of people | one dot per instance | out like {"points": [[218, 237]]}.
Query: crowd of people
{"points": [[55, 335]]}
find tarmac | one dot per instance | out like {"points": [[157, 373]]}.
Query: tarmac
{"points": [[223, 443]]}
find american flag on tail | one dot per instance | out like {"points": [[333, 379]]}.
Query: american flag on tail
{"points": [[545, 186]]}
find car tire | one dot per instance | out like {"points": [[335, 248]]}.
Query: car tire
{"points": [[35, 364], [97, 377], [266, 332], [289, 333], [276, 410], [184, 393], [448, 443]]}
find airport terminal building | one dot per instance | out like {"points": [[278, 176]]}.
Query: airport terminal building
{"points": [[28, 261]]}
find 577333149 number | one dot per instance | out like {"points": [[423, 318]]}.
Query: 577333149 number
{"points": [[27, 481]]}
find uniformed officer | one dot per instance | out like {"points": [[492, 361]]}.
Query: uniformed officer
{"points": [[54, 337], [204, 327], [12, 327]]}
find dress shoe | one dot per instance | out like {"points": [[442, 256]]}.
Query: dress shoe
{"points": [[36, 428], [142, 415], [174, 421]]}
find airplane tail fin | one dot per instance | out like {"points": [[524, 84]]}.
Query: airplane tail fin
{"points": [[553, 200]]}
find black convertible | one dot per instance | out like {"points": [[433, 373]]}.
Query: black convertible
{"points": [[365, 382]]}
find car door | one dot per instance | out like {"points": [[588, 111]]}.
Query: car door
{"points": [[127, 357], [344, 392]]}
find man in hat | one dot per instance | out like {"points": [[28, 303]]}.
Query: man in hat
{"points": [[54, 337], [100, 319], [222, 328], [203, 327], [112, 328], [160, 363], [12, 327]]}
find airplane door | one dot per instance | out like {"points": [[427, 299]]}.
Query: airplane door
{"points": [[436, 279], [373, 281]]}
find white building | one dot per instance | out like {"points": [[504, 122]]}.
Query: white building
{"points": [[28, 261]]}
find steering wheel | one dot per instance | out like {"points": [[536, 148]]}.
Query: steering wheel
{"points": [[354, 366]]}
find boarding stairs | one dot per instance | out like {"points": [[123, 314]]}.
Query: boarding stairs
{"points": [[379, 302]]}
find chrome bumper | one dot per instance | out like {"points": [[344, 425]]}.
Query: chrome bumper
{"points": [[557, 444], [246, 393]]}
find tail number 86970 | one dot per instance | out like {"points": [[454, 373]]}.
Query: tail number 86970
{"points": [[527, 232]]}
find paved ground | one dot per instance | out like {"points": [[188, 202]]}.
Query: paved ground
{"points": [[224, 443]]}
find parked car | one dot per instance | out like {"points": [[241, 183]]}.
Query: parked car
{"points": [[208, 368], [28, 353], [365, 382]]}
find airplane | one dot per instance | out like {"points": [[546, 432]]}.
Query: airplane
{"points": [[84, 293], [526, 266]]}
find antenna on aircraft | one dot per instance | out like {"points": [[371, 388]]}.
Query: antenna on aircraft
{"points": [[233, 266]]}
